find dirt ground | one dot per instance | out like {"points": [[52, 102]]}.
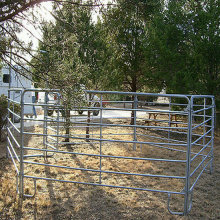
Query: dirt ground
{"points": [[55, 200]]}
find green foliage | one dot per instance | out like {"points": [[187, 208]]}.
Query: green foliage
{"points": [[1, 65], [185, 42], [71, 53], [4, 111], [59, 63], [9, 9], [127, 39], [135, 46], [70, 56]]}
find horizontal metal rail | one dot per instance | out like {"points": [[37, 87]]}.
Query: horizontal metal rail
{"points": [[156, 125], [203, 123], [105, 156], [12, 136], [33, 155], [105, 185], [204, 109], [14, 113], [170, 139], [200, 164], [106, 171], [202, 136], [138, 110], [14, 152], [34, 90], [199, 153], [12, 158], [52, 129], [204, 168], [15, 102], [130, 126], [141, 94], [51, 146], [13, 125], [107, 134], [106, 140], [51, 138]]}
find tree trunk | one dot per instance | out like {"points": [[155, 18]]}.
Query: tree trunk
{"points": [[133, 89], [87, 127], [0, 133], [88, 120], [67, 125]]}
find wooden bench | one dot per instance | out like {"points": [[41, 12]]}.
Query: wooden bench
{"points": [[173, 119], [154, 116]]}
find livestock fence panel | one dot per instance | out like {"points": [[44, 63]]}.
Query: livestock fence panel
{"points": [[141, 141]]}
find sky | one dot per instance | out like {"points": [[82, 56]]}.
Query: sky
{"points": [[42, 12]]}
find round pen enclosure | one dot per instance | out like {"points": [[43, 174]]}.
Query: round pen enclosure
{"points": [[141, 141]]}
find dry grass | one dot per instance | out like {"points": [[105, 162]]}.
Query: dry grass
{"points": [[56, 200]]}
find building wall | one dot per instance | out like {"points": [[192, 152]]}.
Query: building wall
{"points": [[17, 81]]}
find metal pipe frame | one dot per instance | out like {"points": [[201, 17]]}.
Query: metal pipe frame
{"points": [[21, 173], [197, 139]]}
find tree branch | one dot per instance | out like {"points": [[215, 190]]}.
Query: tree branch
{"points": [[16, 10], [21, 9]]}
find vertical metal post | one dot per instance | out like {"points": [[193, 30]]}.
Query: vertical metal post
{"points": [[212, 134], [170, 100], [188, 158], [13, 109], [45, 124], [7, 155], [135, 121], [10, 61], [204, 126], [58, 120], [21, 173], [9, 84], [100, 144], [92, 128], [204, 118], [89, 117]]}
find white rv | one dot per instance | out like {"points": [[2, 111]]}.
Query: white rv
{"points": [[17, 81]]}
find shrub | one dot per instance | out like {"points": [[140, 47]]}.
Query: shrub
{"points": [[4, 112]]}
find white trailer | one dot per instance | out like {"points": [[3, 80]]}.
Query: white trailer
{"points": [[17, 81]]}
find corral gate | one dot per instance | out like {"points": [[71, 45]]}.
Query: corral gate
{"points": [[141, 141]]}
